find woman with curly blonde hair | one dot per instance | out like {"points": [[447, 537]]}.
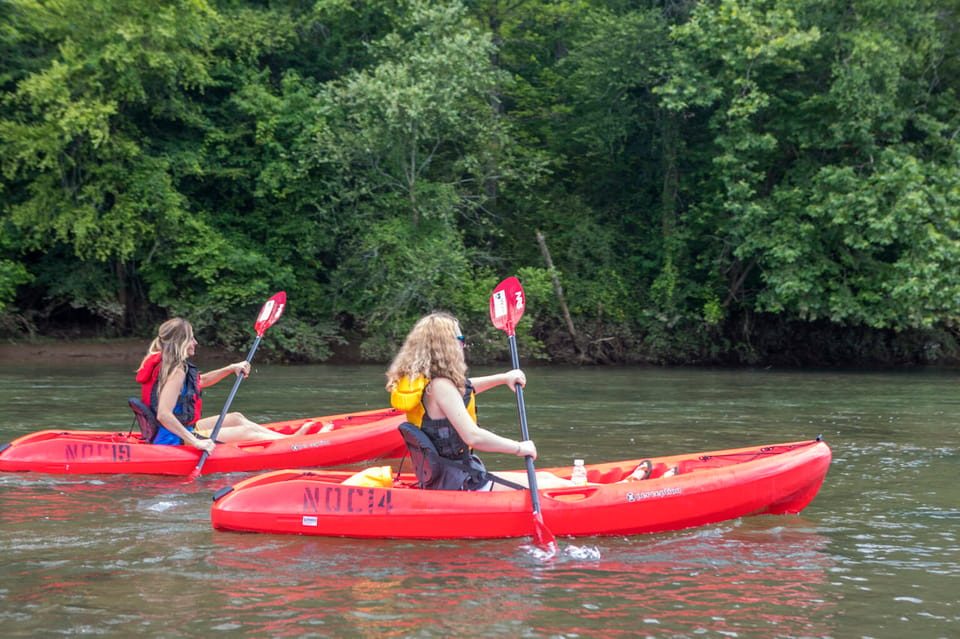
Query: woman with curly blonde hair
{"points": [[428, 380]]}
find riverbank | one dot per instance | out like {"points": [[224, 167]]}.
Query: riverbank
{"points": [[84, 351], [88, 351]]}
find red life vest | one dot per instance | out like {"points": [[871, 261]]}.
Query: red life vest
{"points": [[189, 406]]}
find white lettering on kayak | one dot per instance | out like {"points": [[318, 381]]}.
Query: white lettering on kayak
{"points": [[322, 442], [653, 494]]}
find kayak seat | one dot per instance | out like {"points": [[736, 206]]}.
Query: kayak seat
{"points": [[145, 419], [426, 461], [439, 473]]}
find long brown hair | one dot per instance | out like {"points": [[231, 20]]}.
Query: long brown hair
{"points": [[172, 342], [431, 350]]}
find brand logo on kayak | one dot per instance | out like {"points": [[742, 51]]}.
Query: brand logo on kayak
{"points": [[322, 442], [346, 499], [653, 494], [99, 451]]}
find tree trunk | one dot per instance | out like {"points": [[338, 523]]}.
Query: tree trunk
{"points": [[541, 240]]}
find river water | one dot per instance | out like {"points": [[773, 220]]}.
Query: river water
{"points": [[875, 555]]}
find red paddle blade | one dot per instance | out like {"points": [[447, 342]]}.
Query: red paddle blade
{"points": [[506, 305], [270, 313], [542, 535]]}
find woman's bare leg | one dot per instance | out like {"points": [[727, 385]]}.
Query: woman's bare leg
{"points": [[237, 428], [544, 480]]}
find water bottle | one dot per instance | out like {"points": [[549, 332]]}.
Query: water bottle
{"points": [[579, 474]]}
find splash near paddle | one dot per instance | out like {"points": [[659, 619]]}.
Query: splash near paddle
{"points": [[507, 303]]}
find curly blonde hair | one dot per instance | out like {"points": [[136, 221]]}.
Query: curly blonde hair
{"points": [[172, 342], [431, 350]]}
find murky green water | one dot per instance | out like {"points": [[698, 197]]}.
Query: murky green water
{"points": [[875, 555]]}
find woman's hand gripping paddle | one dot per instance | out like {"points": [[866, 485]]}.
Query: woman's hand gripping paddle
{"points": [[506, 309], [270, 312]]}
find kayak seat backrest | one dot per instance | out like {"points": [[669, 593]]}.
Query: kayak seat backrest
{"points": [[145, 418], [423, 454], [438, 473]]}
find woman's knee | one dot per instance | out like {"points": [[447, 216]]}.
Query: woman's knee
{"points": [[235, 419]]}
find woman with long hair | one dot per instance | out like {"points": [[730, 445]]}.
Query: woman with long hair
{"points": [[428, 380], [172, 388]]}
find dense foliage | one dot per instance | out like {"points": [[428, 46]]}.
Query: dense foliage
{"points": [[723, 181]]}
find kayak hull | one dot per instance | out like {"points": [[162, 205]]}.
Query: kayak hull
{"points": [[710, 487], [354, 437]]}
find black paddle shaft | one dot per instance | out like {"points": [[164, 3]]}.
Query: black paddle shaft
{"points": [[226, 405], [524, 431]]}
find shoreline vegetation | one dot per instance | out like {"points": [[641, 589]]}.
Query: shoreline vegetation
{"points": [[82, 351], [673, 187]]}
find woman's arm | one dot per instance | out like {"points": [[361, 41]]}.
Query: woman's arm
{"points": [[212, 377], [510, 378], [166, 400], [447, 400]]}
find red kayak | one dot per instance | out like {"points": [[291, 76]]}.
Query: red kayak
{"points": [[331, 441], [707, 488]]}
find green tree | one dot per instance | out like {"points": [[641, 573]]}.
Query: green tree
{"points": [[701, 171], [77, 172], [833, 189], [616, 234], [873, 237], [410, 141]]}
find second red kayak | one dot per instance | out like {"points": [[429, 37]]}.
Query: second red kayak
{"points": [[332, 440], [681, 491]]}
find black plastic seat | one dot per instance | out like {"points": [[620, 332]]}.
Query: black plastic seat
{"points": [[145, 419]]}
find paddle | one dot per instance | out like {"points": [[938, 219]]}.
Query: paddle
{"points": [[506, 308], [270, 312]]}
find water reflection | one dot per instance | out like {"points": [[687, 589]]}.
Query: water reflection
{"points": [[30, 498], [760, 579], [876, 554]]}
